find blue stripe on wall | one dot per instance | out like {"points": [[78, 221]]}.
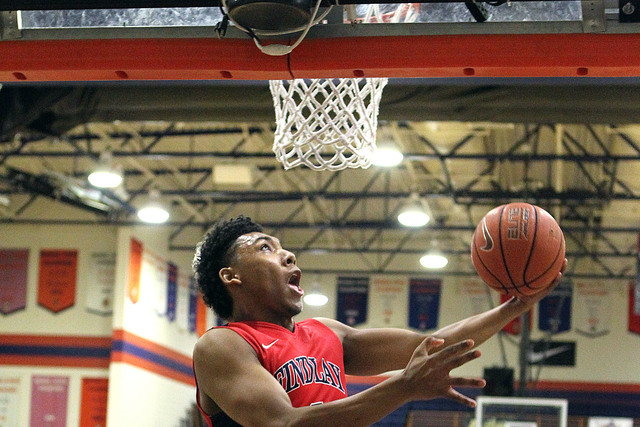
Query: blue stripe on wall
{"points": [[34, 350], [127, 347]]}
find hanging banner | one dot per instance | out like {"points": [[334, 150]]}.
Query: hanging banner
{"points": [[153, 283], [388, 301], [424, 303], [552, 353], [193, 306], [477, 296], [9, 401], [515, 326], [634, 308], [634, 297], [160, 283], [14, 264], [554, 310], [172, 291], [57, 279], [592, 309], [100, 283], [93, 403], [49, 397], [182, 303], [135, 268], [352, 300]]}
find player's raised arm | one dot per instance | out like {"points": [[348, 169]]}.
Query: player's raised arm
{"points": [[376, 351]]}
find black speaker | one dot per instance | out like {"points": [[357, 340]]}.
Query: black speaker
{"points": [[270, 15], [499, 381]]}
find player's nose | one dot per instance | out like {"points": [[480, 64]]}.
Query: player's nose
{"points": [[289, 257]]}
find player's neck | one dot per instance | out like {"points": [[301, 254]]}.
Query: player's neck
{"points": [[286, 323]]}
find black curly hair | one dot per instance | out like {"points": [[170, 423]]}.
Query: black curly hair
{"points": [[214, 252]]}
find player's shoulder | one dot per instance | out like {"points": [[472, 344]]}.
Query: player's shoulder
{"points": [[219, 342], [338, 328]]}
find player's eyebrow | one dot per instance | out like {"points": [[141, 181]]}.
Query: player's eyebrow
{"points": [[268, 239]]}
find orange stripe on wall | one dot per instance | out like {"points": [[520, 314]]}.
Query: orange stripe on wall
{"points": [[118, 356], [56, 341], [120, 334]]}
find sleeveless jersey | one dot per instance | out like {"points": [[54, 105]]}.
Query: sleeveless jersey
{"points": [[308, 362]]}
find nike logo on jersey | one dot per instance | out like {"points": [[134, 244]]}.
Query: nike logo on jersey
{"points": [[268, 346]]}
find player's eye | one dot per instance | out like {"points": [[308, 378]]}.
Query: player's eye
{"points": [[265, 247]]}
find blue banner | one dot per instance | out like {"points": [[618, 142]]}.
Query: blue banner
{"points": [[353, 300], [424, 303], [193, 305], [172, 291], [554, 310]]}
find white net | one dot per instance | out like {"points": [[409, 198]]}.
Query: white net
{"points": [[326, 124]]}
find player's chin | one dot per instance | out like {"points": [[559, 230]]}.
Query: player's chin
{"points": [[296, 309]]}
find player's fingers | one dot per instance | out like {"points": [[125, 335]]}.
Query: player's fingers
{"points": [[460, 398], [455, 350], [460, 360], [468, 382], [564, 266], [431, 343]]}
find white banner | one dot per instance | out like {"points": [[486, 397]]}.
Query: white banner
{"points": [[153, 282], [592, 307], [389, 301], [474, 291], [9, 401], [100, 283], [182, 302]]}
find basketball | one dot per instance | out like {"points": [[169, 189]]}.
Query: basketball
{"points": [[518, 249]]}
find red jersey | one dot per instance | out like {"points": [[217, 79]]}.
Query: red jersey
{"points": [[308, 362]]}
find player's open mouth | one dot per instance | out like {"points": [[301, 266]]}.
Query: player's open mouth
{"points": [[294, 282]]}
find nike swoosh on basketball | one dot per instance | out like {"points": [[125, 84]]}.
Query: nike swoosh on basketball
{"points": [[268, 346], [488, 240], [539, 356]]}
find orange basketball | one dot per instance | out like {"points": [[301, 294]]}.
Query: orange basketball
{"points": [[518, 249]]}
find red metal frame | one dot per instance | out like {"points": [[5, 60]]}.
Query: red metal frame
{"points": [[514, 55]]}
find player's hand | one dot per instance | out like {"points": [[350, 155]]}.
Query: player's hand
{"points": [[428, 376], [531, 300]]}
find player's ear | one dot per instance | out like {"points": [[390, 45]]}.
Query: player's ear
{"points": [[228, 276]]}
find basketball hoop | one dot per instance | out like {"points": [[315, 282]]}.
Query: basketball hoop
{"points": [[326, 124]]}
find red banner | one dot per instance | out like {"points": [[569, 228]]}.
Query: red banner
{"points": [[57, 279], [93, 406], [515, 326], [49, 398], [634, 297], [14, 264], [634, 307], [135, 267]]}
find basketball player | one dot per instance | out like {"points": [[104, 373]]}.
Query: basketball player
{"points": [[264, 369]]}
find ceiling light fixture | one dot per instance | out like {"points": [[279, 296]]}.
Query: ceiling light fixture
{"points": [[153, 212], [434, 259], [415, 213], [387, 155], [106, 174], [316, 297]]}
